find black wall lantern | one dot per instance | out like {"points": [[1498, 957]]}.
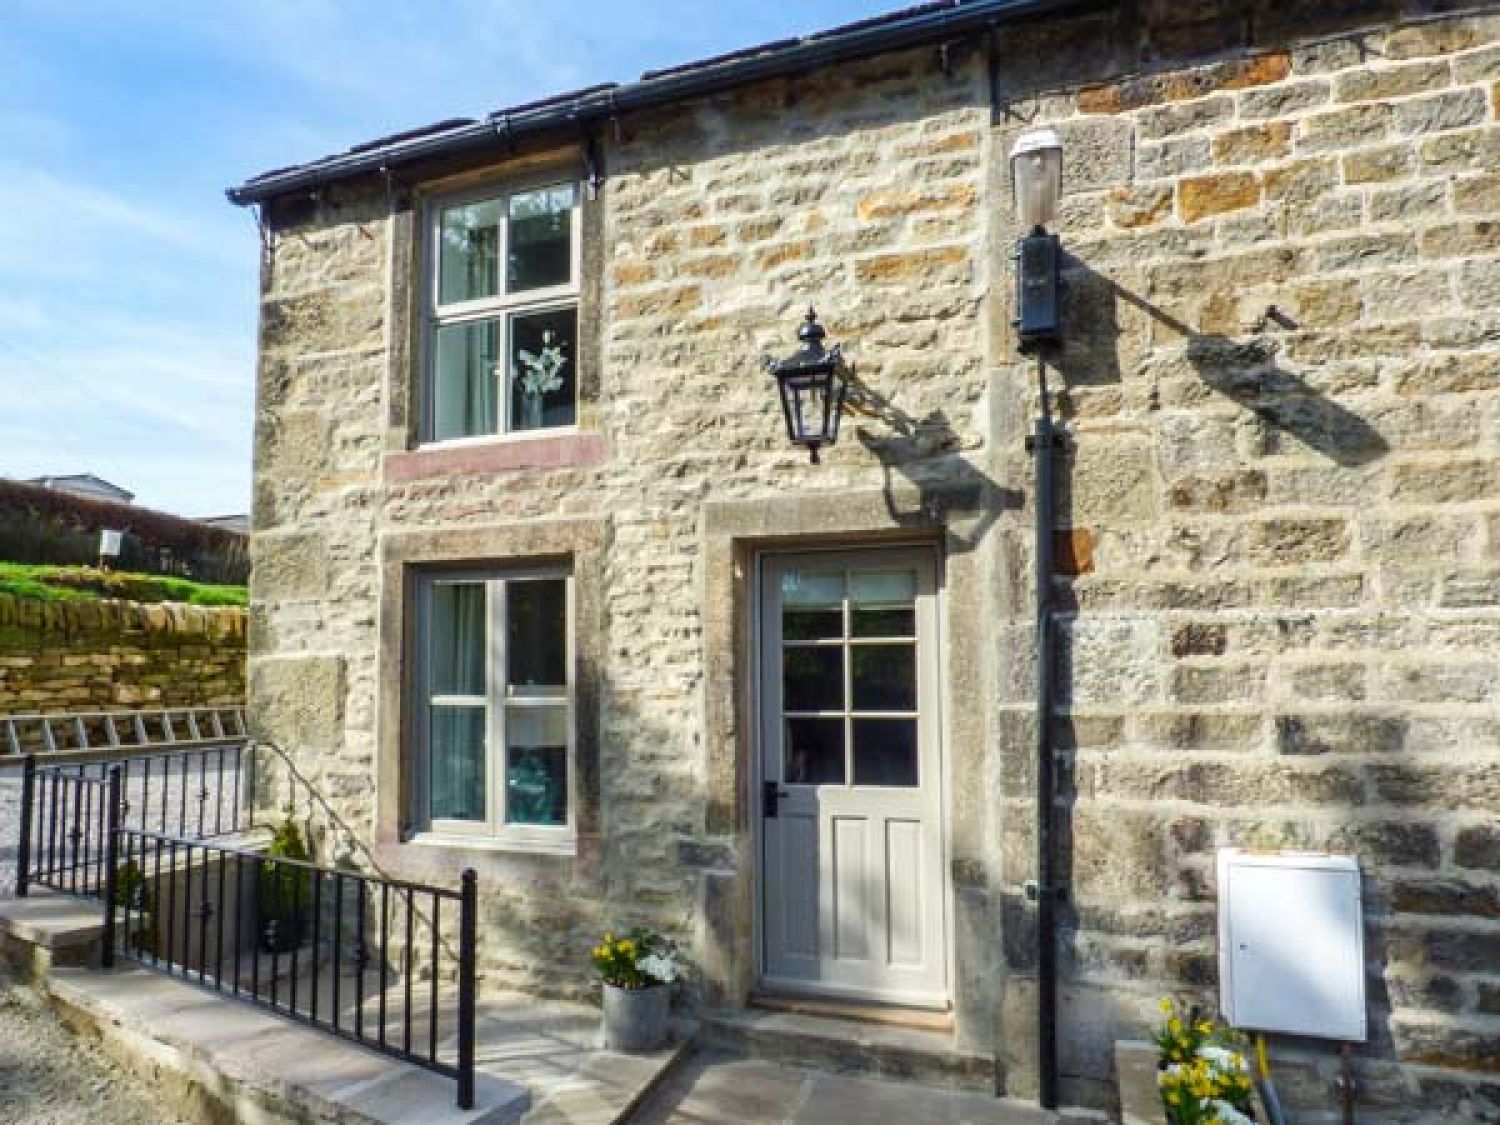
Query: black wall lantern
{"points": [[1036, 174], [813, 383]]}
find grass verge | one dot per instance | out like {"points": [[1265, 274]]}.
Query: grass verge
{"points": [[71, 583]]}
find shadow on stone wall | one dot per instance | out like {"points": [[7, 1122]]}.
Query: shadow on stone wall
{"points": [[926, 451], [1246, 371]]}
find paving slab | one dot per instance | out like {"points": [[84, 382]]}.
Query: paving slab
{"points": [[717, 1087], [256, 1061], [537, 1062]]}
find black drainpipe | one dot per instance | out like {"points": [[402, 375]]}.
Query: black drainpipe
{"points": [[1046, 891]]}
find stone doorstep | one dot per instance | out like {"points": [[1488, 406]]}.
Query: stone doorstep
{"points": [[52, 921], [847, 1046], [46, 930], [226, 1057]]}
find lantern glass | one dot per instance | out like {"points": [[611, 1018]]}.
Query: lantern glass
{"points": [[1036, 174]]}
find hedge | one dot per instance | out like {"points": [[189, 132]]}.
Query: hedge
{"points": [[45, 525]]}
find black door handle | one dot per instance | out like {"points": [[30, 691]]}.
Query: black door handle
{"points": [[771, 794]]}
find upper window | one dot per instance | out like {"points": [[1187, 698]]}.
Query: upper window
{"points": [[495, 704], [502, 351]]}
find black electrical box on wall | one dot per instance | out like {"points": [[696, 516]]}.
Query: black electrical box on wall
{"points": [[1038, 290]]}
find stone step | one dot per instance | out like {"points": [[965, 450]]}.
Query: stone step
{"points": [[846, 1046]]}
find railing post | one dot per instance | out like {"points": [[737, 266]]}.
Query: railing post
{"points": [[23, 846], [111, 866], [468, 942], [250, 780]]}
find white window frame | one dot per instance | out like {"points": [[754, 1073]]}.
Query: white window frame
{"points": [[503, 306], [494, 830]]}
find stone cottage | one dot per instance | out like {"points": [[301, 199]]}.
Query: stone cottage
{"points": [[541, 587]]}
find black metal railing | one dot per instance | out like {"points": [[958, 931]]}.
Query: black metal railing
{"points": [[360, 956], [203, 792], [385, 963]]}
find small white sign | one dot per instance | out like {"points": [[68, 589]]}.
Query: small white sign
{"points": [[109, 543], [1291, 944]]}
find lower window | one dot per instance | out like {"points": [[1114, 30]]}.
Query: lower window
{"points": [[495, 721]]}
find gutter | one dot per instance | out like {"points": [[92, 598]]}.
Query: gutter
{"points": [[657, 89]]}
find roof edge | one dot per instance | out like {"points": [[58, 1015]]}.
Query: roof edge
{"points": [[656, 88]]}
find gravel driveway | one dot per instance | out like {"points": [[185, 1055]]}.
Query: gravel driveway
{"points": [[48, 1076]]}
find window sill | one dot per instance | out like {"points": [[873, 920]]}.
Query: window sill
{"points": [[529, 845], [499, 454]]}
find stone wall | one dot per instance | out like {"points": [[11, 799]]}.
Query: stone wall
{"points": [[109, 655], [1278, 502]]}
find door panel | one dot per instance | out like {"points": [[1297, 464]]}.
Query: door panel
{"points": [[853, 894], [903, 858]]}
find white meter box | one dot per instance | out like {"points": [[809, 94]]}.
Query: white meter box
{"points": [[1291, 944]]}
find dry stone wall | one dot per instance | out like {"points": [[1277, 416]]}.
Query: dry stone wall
{"points": [[1281, 386], [110, 655]]}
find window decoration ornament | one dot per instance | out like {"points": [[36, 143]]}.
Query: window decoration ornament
{"points": [[813, 383], [540, 374]]}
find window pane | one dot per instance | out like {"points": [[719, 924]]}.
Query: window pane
{"points": [[884, 677], [814, 752], [883, 587], [464, 380], [457, 771], [456, 656], [812, 606], [885, 751], [469, 253], [536, 641], [536, 779], [544, 369], [812, 679], [541, 238], [881, 603]]}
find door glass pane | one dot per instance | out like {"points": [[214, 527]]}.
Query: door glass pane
{"points": [[882, 603], [544, 369], [541, 238], [814, 750], [536, 775], [812, 606], [469, 252], [536, 642], [457, 641], [884, 677], [457, 767], [812, 679], [464, 380], [885, 752]]}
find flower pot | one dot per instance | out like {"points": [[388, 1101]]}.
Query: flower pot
{"points": [[635, 1019]]}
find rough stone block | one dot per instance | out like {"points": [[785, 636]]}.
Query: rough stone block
{"points": [[1202, 197], [298, 701], [1477, 847], [1455, 110], [1111, 660], [288, 566], [1441, 37], [1371, 82], [1284, 99], [1253, 144]]}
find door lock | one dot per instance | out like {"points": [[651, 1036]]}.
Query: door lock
{"points": [[771, 794]]}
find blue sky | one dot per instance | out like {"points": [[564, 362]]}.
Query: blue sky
{"points": [[127, 282]]}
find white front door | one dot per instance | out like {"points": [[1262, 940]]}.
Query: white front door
{"points": [[851, 795]]}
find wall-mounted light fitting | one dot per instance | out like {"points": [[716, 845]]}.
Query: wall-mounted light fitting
{"points": [[1036, 176], [813, 383]]}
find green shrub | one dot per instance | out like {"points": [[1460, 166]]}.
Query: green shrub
{"points": [[284, 889]]}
